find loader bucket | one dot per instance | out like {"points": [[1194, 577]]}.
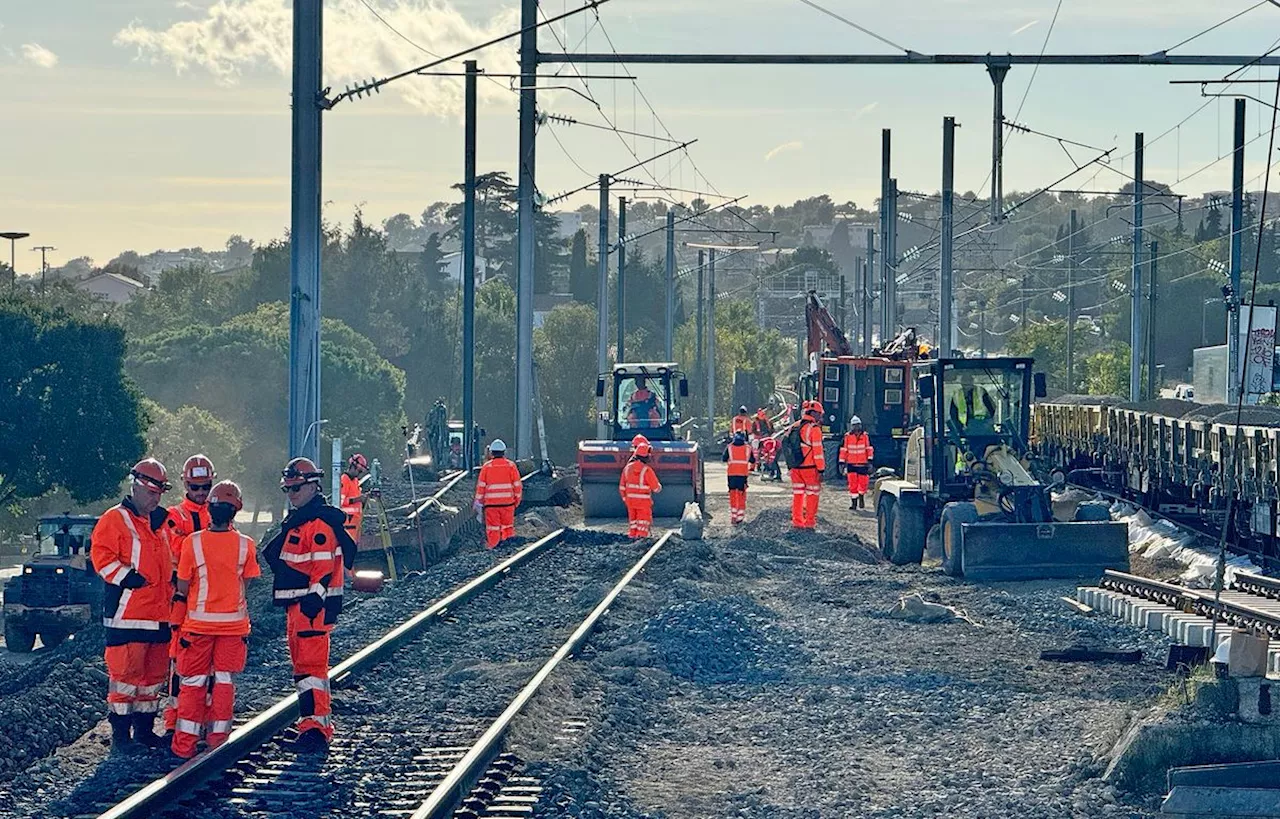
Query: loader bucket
{"points": [[1031, 551]]}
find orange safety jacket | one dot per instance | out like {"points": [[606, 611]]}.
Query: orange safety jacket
{"points": [[638, 483], [354, 511], [856, 450], [184, 519], [498, 484], [811, 446], [761, 426], [740, 458], [216, 564], [740, 423], [308, 555], [124, 545]]}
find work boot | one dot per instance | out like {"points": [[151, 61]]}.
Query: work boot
{"points": [[144, 731], [853, 502], [862, 501], [121, 742], [311, 741]]}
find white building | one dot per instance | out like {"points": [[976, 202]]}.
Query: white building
{"points": [[451, 265], [112, 287]]}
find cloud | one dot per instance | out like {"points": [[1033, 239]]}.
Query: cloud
{"points": [[1023, 28], [37, 54], [783, 148], [866, 109], [231, 37]]}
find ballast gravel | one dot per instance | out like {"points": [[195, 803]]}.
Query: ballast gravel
{"points": [[759, 673]]}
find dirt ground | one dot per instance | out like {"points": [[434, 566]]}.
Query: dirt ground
{"points": [[759, 673]]}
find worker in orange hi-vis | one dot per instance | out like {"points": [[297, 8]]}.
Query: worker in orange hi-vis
{"points": [[637, 487], [190, 515], [856, 453], [740, 458], [806, 479], [740, 422], [214, 628], [351, 497], [129, 552], [498, 493]]}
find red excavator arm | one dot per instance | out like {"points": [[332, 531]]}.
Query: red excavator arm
{"points": [[823, 330]]}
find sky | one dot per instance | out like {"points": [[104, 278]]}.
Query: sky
{"points": [[150, 124]]}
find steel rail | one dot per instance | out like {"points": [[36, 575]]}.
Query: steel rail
{"points": [[458, 783], [1229, 610], [249, 737], [1257, 584]]}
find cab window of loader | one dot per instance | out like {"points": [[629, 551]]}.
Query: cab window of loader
{"points": [[642, 403], [64, 539], [982, 402]]}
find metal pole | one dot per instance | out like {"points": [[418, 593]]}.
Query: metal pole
{"points": [[622, 278], [304, 236], [526, 228], [1071, 304], [671, 285], [945, 326], [997, 73], [702, 256], [602, 302], [843, 297], [868, 292], [982, 328], [1151, 323], [1135, 295], [885, 226], [711, 342], [335, 484], [468, 271], [891, 255], [1234, 375]]}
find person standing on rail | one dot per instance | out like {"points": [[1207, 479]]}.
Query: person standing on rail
{"points": [[637, 487], [806, 478], [741, 459], [129, 552], [856, 453], [188, 516], [498, 493], [214, 624], [308, 557], [351, 497]]}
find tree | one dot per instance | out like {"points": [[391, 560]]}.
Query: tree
{"points": [[581, 283], [741, 344], [1107, 372], [239, 251], [565, 350], [182, 295], [1047, 344], [176, 436], [69, 416]]}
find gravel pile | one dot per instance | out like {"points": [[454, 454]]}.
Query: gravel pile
{"points": [[728, 640]]}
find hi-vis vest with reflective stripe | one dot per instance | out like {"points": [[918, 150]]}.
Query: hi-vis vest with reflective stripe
{"points": [[739, 460], [499, 484], [216, 564], [971, 404], [638, 483], [184, 519], [122, 541], [740, 423], [350, 488], [856, 449], [311, 562]]}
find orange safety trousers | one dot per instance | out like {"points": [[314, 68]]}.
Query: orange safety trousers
{"points": [[499, 524], [806, 485], [640, 515], [309, 651], [135, 677], [857, 483], [737, 505], [207, 694]]}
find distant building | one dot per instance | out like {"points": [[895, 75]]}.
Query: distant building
{"points": [[112, 287], [544, 303], [451, 266]]}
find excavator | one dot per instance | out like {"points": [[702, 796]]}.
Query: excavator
{"points": [[644, 400], [876, 388], [967, 485]]}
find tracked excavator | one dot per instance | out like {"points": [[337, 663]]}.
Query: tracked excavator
{"points": [[967, 485], [644, 400]]}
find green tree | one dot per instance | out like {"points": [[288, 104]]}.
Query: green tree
{"points": [[181, 296], [176, 436], [741, 344], [1107, 372], [581, 283], [1047, 344], [565, 350], [69, 416]]}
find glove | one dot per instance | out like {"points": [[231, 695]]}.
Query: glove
{"points": [[311, 605], [133, 580]]}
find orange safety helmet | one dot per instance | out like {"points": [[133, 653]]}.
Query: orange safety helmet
{"points": [[643, 449], [637, 441], [198, 468], [813, 406], [229, 493], [358, 461], [300, 471], [151, 474]]}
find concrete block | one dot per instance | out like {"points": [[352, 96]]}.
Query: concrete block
{"points": [[1238, 803], [1158, 742], [1155, 618], [1236, 775], [1198, 633]]}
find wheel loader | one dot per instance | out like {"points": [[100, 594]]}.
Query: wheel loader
{"points": [[644, 400], [967, 486]]}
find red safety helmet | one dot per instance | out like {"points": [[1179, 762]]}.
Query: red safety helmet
{"points": [[358, 461], [151, 473], [813, 407], [637, 441], [300, 471], [198, 469], [229, 493], [643, 449]]}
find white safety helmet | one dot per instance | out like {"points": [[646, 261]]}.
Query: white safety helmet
{"points": [[498, 445], [855, 420]]}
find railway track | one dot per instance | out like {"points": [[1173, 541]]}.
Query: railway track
{"points": [[417, 736]]}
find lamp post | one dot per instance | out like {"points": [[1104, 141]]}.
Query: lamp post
{"points": [[44, 263], [13, 236]]}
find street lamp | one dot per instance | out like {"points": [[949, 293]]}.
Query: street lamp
{"points": [[13, 236]]}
